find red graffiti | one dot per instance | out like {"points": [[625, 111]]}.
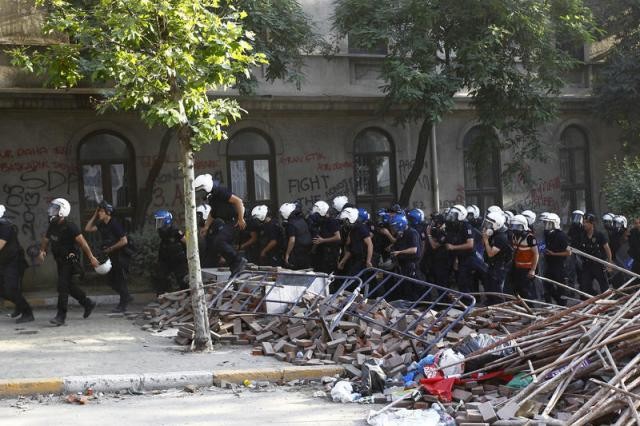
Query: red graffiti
{"points": [[304, 158], [329, 167]]}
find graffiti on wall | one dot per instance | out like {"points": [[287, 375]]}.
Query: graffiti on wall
{"points": [[543, 196]]}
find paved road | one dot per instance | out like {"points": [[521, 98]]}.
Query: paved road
{"points": [[289, 405]]}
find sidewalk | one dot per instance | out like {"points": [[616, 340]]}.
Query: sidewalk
{"points": [[112, 353]]}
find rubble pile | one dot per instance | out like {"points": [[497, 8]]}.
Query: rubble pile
{"points": [[500, 364]]}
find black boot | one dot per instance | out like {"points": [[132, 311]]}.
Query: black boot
{"points": [[26, 317], [16, 313], [58, 320], [88, 308], [238, 266]]}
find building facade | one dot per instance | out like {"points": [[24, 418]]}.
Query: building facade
{"points": [[324, 140]]}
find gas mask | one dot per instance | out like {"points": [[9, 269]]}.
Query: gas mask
{"points": [[53, 212]]}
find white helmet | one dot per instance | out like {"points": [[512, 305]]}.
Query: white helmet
{"points": [[286, 209], [350, 214], [620, 222], [531, 217], [339, 202], [608, 217], [474, 211], [507, 216], [260, 212], [519, 223], [320, 207], [103, 268], [204, 209], [494, 208], [2, 210], [59, 207], [203, 183], [551, 221], [494, 221], [543, 215], [457, 213], [577, 217]]}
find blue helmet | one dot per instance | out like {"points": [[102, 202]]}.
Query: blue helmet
{"points": [[382, 217], [363, 215], [163, 218], [399, 222], [415, 216]]}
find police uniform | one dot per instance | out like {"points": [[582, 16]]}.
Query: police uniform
{"points": [[440, 261], [62, 237], [270, 231], [408, 263], [300, 256], [112, 232], [325, 256], [12, 266], [358, 249], [172, 258], [634, 249], [523, 262], [460, 233], [252, 252], [498, 265], [556, 241], [591, 270], [220, 235]]}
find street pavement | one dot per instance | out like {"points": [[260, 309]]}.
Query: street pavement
{"points": [[288, 405], [104, 345]]}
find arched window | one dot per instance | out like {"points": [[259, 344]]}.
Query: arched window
{"points": [[374, 167], [574, 169], [482, 183], [107, 170], [251, 168]]}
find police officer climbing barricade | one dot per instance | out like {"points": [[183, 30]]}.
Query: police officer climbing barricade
{"points": [[555, 255], [116, 245], [63, 237], [227, 213], [270, 237], [406, 252], [594, 243], [358, 252], [325, 231], [499, 252], [525, 260], [459, 244], [172, 253], [12, 267], [297, 254]]}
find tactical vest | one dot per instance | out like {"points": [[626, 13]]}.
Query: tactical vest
{"points": [[524, 254]]}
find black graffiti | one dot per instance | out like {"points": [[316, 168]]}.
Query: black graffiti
{"points": [[20, 204], [312, 183], [49, 181], [344, 187]]}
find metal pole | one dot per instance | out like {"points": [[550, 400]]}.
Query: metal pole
{"points": [[604, 262], [435, 186]]}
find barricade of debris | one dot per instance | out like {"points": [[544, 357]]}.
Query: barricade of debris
{"points": [[503, 364]]}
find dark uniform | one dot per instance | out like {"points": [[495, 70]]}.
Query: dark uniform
{"points": [[252, 252], [325, 256], [172, 259], [300, 256], [66, 254], [439, 261], [634, 249], [498, 265], [12, 266], [220, 235], [408, 263], [590, 269], [111, 233], [556, 241], [457, 235], [358, 249], [270, 231]]}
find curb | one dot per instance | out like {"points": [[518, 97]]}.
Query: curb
{"points": [[107, 299], [156, 381]]}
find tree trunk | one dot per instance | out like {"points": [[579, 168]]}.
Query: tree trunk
{"points": [[418, 165], [202, 339], [145, 194]]}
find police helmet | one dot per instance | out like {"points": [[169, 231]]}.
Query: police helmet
{"points": [[457, 213], [494, 208], [530, 216], [577, 217], [607, 220], [494, 220], [620, 222], [542, 216], [204, 210], [287, 209], [399, 223], [363, 215], [339, 202], [507, 216], [163, 218], [320, 207], [473, 212], [396, 209], [58, 208], [349, 215], [383, 217], [415, 216], [551, 221], [108, 208], [203, 182], [104, 267], [2, 210], [519, 223], [260, 212]]}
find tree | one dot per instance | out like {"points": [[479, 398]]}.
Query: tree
{"points": [[160, 58], [503, 53], [622, 186], [617, 84]]}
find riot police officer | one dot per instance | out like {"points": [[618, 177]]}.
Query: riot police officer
{"points": [[172, 253], [359, 246], [459, 244], [326, 239], [499, 252], [407, 252], [595, 243], [297, 253], [64, 237], [12, 266], [202, 213], [115, 244], [270, 237], [555, 256], [525, 260], [438, 262], [227, 212], [634, 245]]}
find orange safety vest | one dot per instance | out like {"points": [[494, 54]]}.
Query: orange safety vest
{"points": [[524, 255]]}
